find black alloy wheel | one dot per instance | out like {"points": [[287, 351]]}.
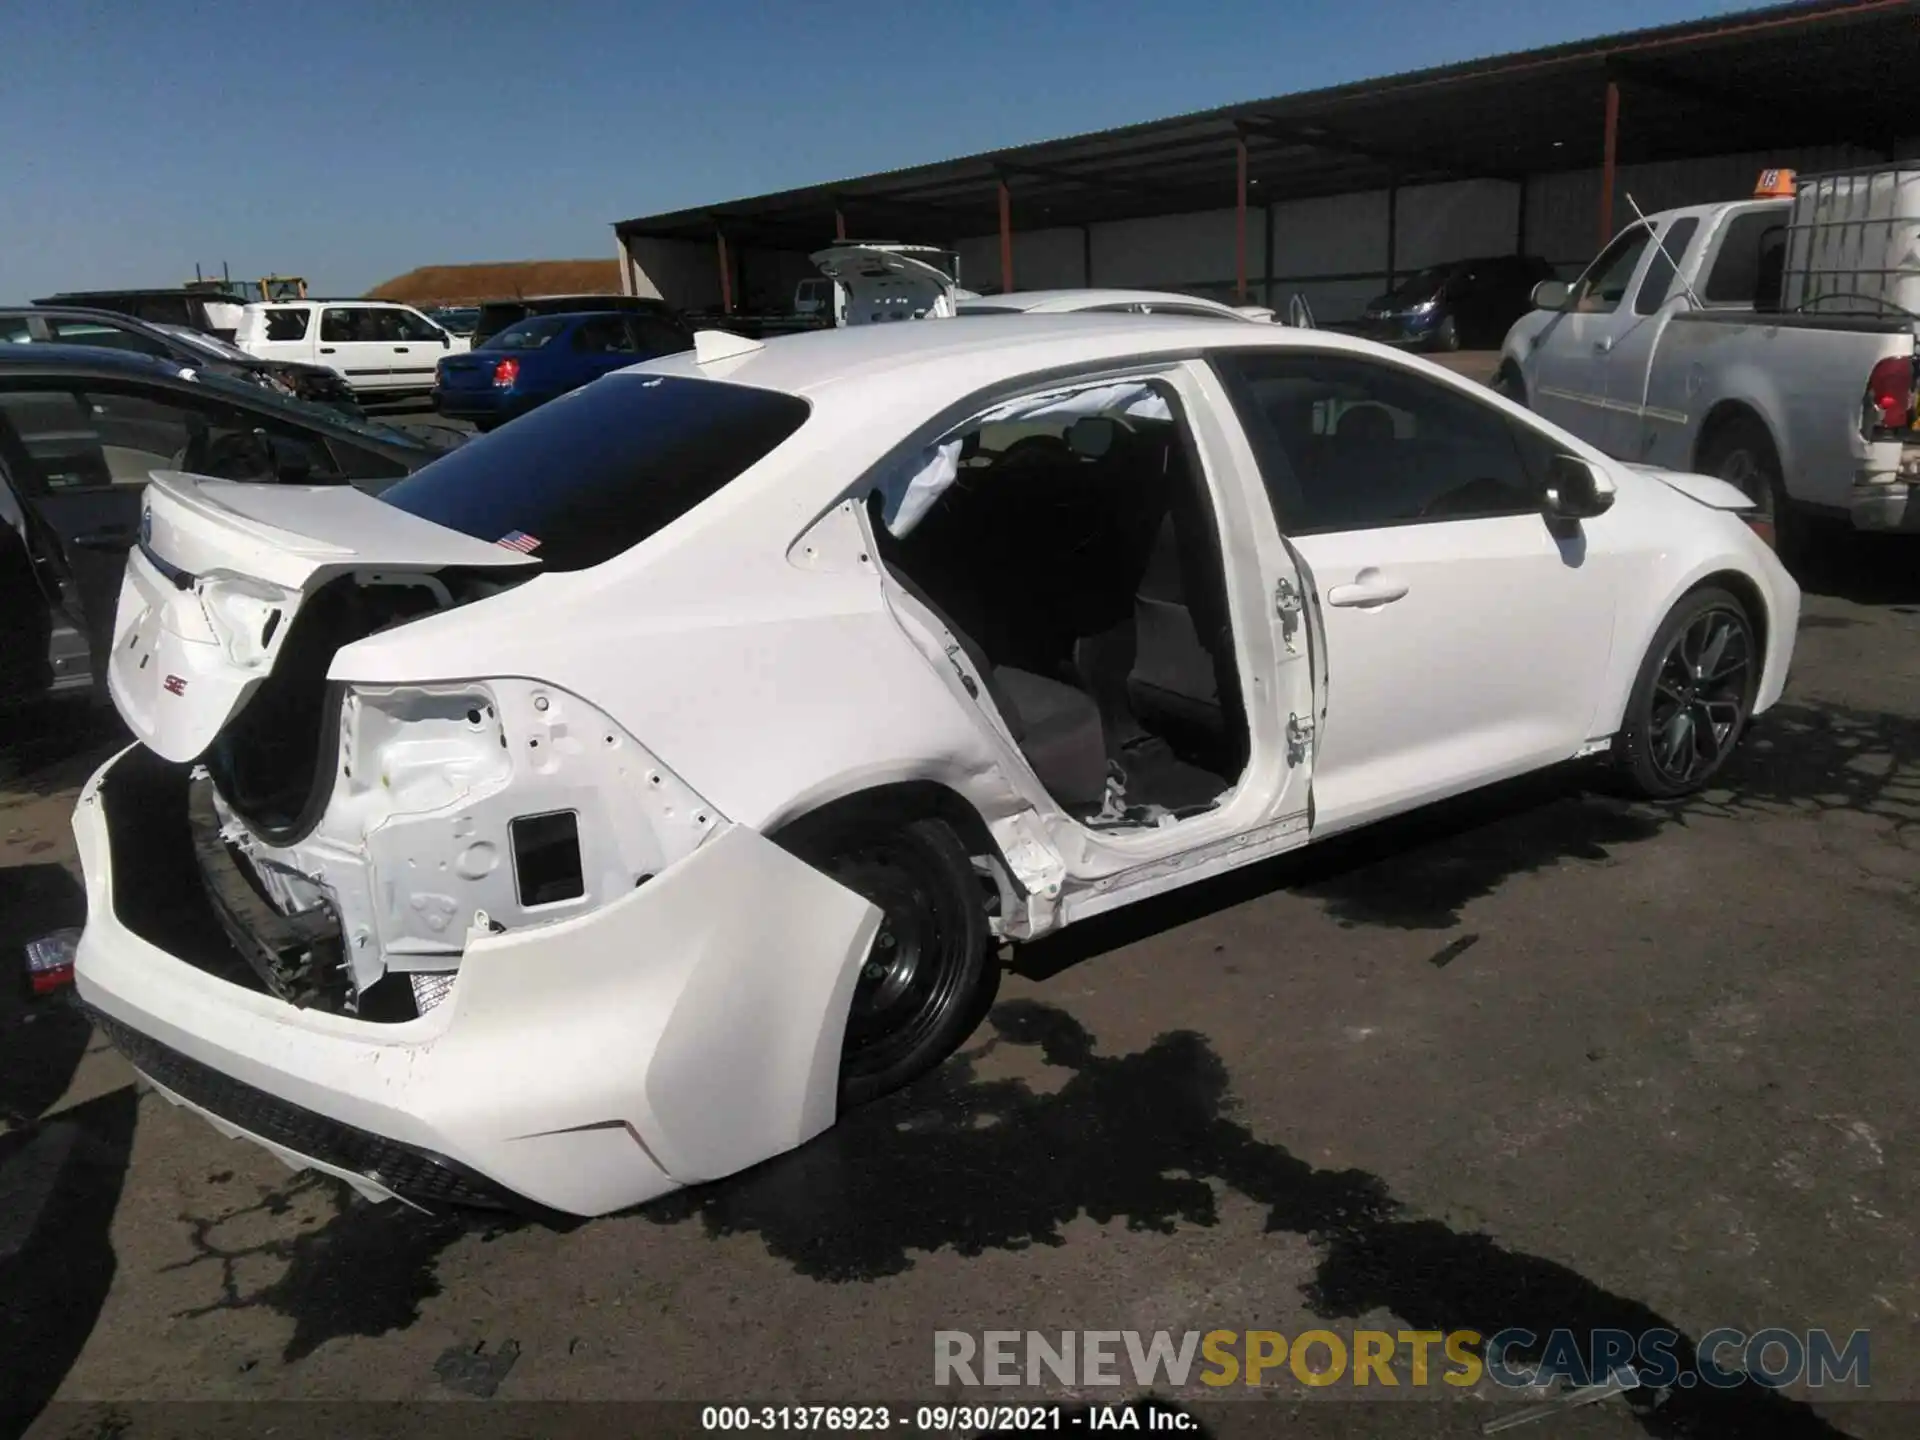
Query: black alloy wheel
{"points": [[1693, 697]]}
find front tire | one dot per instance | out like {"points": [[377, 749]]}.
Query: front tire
{"points": [[1507, 381], [1692, 699], [918, 992], [1446, 335]]}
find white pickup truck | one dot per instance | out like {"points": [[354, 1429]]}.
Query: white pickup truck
{"points": [[1675, 349]]}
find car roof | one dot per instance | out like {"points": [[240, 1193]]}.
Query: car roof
{"points": [[939, 355], [326, 300], [1066, 301], [88, 358], [574, 315], [90, 312]]}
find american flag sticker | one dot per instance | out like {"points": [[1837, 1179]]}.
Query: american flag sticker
{"points": [[519, 540]]}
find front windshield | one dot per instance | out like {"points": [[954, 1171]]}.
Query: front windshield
{"points": [[1421, 285], [306, 412], [207, 344]]}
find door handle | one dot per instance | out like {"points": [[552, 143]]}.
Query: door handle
{"points": [[1369, 588], [326, 349], [399, 349], [110, 538], [1603, 344]]}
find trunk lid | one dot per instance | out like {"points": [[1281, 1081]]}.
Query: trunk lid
{"points": [[881, 281], [220, 572], [470, 371]]}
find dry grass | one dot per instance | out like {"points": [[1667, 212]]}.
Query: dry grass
{"points": [[470, 284]]}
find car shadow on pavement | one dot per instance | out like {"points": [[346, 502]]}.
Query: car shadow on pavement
{"points": [[1866, 569], [55, 747], [41, 1039], [1419, 871], [965, 1164]]}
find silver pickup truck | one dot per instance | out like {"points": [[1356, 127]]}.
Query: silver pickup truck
{"points": [[1671, 350]]}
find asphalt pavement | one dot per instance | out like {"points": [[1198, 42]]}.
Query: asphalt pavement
{"points": [[1541, 1057]]}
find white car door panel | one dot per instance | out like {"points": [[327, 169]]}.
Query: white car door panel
{"points": [[1459, 653], [1465, 638]]}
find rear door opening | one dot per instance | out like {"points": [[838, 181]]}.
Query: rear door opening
{"points": [[1068, 543]]}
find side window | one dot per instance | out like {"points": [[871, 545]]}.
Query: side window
{"points": [[1657, 287], [14, 330], [288, 324], [403, 327], [1351, 444], [603, 335], [1600, 290], [336, 324], [60, 439], [107, 435], [102, 335], [1734, 278]]}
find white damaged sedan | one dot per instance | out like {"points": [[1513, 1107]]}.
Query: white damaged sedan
{"points": [[604, 807]]}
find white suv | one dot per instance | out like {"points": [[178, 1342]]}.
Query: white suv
{"points": [[380, 348]]}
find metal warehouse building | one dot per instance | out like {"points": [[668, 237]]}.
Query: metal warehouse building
{"points": [[1333, 193]]}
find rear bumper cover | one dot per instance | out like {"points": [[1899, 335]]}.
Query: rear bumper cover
{"points": [[674, 1036], [1880, 503]]}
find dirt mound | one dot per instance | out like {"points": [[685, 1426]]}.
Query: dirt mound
{"points": [[469, 284]]}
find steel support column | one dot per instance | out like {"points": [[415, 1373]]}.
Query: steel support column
{"points": [[1266, 268], [1393, 229], [1240, 219], [1006, 239], [839, 223], [726, 272], [1608, 153]]}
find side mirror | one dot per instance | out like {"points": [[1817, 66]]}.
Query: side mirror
{"points": [[1550, 295], [446, 341], [1576, 490]]}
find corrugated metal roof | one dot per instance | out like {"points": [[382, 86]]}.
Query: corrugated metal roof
{"points": [[1826, 72]]}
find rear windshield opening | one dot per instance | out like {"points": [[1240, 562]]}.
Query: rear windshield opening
{"points": [[527, 334], [589, 476]]}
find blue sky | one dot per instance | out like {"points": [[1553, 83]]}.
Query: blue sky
{"points": [[351, 140]]}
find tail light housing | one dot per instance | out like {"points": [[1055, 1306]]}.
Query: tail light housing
{"points": [[1889, 403], [505, 372]]}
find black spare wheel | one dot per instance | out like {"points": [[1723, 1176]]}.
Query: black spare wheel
{"points": [[914, 1000], [1692, 698]]}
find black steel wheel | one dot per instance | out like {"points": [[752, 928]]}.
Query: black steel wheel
{"points": [[914, 1001], [1693, 696]]}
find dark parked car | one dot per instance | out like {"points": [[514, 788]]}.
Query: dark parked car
{"points": [[64, 325], [497, 315], [455, 319], [1470, 303], [213, 311], [531, 362], [81, 428]]}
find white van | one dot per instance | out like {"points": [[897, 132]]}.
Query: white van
{"points": [[380, 348]]}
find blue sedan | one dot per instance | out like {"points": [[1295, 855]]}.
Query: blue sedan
{"points": [[544, 356]]}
